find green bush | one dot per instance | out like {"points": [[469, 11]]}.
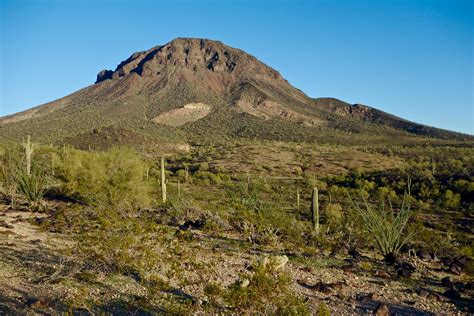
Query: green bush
{"points": [[268, 291], [117, 242], [110, 179], [15, 179]]}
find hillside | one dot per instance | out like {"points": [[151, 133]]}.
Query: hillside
{"points": [[139, 104]]}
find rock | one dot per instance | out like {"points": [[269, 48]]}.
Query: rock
{"points": [[461, 260], [423, 255], [447, 261], [452, 294], [436, 297], [382, 310], [339, 249], [383, 274], [5, 225], [339, 285], [454, 269], [405, 249], [104, 75], [469, 286], [446, 282], [374, 296], [423, 293], [354, 253], [243, 283], [363, 298], [405, 270], [348, 268], [393, 258], [39, 304], [309, 270], [189, 224], [322, 287]]}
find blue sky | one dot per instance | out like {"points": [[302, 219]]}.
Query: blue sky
{"points": [[410, 58]]}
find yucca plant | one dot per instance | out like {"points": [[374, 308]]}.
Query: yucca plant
{"points": [[33, 186], [387, 228]]}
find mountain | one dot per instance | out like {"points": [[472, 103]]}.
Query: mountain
{"points": [[198, 89]]}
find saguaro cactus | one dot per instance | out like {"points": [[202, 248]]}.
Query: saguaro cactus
{"points": [[315, 210], [163, 180], [298, 199], [28, 153], [186, 173]]}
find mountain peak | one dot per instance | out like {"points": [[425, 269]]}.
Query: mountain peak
{"points": [[193, 53]]}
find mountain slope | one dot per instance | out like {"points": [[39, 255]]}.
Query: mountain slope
{"points": [[145, 98]]}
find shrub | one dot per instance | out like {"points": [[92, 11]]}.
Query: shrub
{"points": [[451, 200], [323, 310], [386, 229], [9, 187], [265, 291], [333, 213], [109, 179], [118, 243], [15, 178]]}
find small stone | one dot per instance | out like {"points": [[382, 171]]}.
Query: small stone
{"points": [[436, 297], [5, 225], [374, 296], [383, 274], [452, 294], [423, 293], [446, 282], [393, 258], [354, 253], [423, 255], [454, 269], [245, 283], [382, 310], [308, 270]]}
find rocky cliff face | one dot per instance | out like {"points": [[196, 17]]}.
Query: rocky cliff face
{"points": [[194, 54]]}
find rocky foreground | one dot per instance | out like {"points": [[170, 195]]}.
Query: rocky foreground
{"points": [[36, 275]]}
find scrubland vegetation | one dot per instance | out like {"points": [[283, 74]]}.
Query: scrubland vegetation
{"points": [[107, 208]]}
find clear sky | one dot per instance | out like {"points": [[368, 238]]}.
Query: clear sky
{"points": [[410, 58]]}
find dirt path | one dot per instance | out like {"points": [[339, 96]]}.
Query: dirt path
{"points": [[28, 259]]}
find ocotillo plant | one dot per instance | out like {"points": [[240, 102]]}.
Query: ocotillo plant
{"points": [[315, 210], [28, 152], [163, 180]]}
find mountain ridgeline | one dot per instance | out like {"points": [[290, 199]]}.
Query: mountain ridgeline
{"points": [[199, 90]]}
